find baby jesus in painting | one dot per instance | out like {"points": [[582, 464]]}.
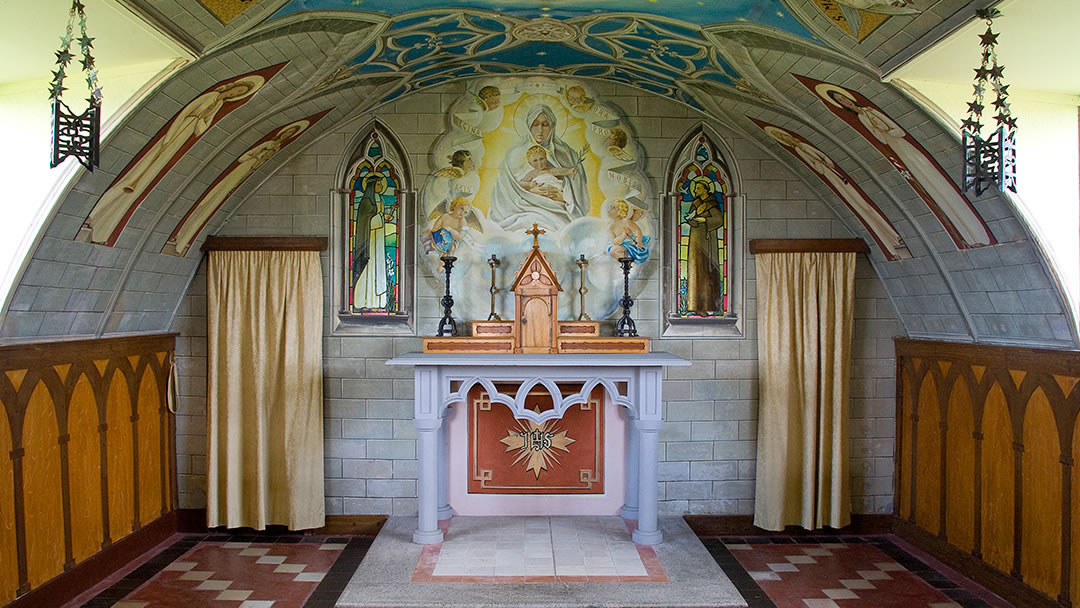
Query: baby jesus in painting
{"points": [[544, 179]]}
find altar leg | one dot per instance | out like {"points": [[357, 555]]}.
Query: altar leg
{"points": [[445, 512], [648, 432], [427, 485], [629, 509]]}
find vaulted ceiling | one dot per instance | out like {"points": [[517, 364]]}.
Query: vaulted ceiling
{"points": [[736, 63]]}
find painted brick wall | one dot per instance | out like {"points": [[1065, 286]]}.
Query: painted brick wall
{"points": [[708, 444]]}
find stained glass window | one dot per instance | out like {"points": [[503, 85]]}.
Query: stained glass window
{"points": [[373, 260], [702, 217]]}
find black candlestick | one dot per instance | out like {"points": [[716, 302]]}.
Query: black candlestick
{"points": [[625, 327], [447, 326]]}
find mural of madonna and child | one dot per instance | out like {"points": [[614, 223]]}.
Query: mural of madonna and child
{"points": [[545, 151]]}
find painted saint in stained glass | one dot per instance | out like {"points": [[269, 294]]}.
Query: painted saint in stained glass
{"points": [[702, 217], [374, 231]]}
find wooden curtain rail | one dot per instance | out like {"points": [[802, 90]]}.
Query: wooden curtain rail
{"points": [[808, 246], [265, 243]]}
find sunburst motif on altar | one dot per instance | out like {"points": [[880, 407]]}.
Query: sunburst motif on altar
{"points": [[547, 151]]}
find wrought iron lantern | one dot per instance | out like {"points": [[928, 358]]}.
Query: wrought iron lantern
{"points": [[990, 160], [74, 134]]}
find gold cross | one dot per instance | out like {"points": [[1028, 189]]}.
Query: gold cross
{"points": [[536, 232]]}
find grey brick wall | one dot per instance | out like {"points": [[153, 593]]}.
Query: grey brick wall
{"points": [[709, 441]]}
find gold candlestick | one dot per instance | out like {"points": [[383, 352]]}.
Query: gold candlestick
{"points": [[494, 263], [582, 264]]}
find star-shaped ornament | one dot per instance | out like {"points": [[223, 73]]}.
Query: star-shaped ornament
{"points": [[981, 73], [86, 42], [1010, 122], [997, 71], [63, 56], [87, 63], [971, 125], [1001, 89], [989, 38], [979, 89], [975, 108]]}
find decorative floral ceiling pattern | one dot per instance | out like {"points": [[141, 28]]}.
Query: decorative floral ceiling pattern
{"points": [[700, 12]]}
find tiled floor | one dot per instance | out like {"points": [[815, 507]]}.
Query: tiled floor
{"points": [[295, 571], [239, 572], [841, 572], [538, 549]]}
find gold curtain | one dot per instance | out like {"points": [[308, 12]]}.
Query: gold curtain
{"points": [[264, 368], [806, 307]]}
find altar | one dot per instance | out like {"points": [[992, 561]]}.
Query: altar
{"points": [[632, 381]]}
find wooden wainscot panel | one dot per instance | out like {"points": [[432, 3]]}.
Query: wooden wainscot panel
{"points": [[42, 489], [474, 344], [120, 446], [579, 328], [1041, 538], [587, 344], [82, 447], [1001, 468], [960, 468], [151, 472], [1074, 514], [928, 457], [84, 472], [998, 482], [905, 424], [9, 559]]}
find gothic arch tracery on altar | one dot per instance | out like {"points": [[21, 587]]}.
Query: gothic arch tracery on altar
{"points": [[703, 254], [373, 227]]}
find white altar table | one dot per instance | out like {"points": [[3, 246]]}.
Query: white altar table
{"points": [[633, 381]]}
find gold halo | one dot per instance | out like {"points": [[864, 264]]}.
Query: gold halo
{"points": [[254, 82], [380, 183], [704, 180], [303, 124], [771, 130], [824, 88], [530, 100]]}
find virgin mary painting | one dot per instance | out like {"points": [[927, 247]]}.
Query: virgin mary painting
{"points": [[541, 179]]}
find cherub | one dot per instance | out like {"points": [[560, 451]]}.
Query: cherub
{"points": [[624, 233], [453, 220], [577, 100], [544, 179], [461, 162], [616, 142], [491, 97]]}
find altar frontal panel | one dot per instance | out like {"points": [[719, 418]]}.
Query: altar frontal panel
{"points": [[507, 455]]}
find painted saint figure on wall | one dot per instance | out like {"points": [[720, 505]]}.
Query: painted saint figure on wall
{"points": [[229, 180], [112, 211], [524, 194], [883, 232], [957, 215]]}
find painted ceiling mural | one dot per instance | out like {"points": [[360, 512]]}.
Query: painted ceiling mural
{"points": [[866, 150], [772, 13], [545, 151]]}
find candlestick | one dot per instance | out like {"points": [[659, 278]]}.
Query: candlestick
{"points": [[447, 326], [625, 327], [494, 263], [583, 264]]}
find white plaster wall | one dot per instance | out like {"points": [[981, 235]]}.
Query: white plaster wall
{"points": [[708, 443]]}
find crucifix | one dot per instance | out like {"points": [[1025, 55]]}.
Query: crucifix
{"points": [[536, 232]]}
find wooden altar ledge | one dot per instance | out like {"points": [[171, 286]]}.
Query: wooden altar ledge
{"points": [[630, 380]]}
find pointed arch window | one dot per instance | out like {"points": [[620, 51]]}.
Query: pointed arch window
{"points": [[702, 259], [375, 205]]}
